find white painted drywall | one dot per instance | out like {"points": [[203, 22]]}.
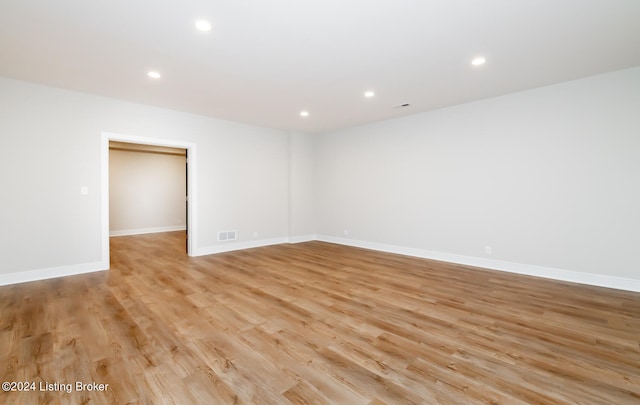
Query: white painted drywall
{"points": [[548, 177], [147, 192], [301, 214], [51, 147]]}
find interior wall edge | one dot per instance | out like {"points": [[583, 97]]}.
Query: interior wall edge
{"points": [[302, 238]]}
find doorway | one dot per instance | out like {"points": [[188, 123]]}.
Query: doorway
{"points": [[147, 189], [156, 146]]}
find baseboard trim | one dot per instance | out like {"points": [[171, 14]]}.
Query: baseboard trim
{"points": [[302, 238], [52, 272], [142, 231], [598, 280], [229, 247]]}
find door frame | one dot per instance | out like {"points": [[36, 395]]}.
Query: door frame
{"points": [[191, 185]]}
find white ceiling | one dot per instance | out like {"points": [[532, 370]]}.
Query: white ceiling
{"points": [[266, 60]]}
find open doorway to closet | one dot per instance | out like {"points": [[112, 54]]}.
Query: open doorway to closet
{"points": [[148, 187]]}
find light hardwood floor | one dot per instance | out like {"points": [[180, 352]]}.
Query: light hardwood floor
{"points": [[315, 323]]}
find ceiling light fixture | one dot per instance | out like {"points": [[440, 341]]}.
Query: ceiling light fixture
{"points": [[304, 113], [154, 75], [203, 25], [478, 61], [369, 94]]}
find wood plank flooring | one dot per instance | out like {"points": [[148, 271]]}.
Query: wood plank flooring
{"points": [[315, 323]]}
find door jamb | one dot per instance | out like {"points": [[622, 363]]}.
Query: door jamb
{"points": [[191, 185]]}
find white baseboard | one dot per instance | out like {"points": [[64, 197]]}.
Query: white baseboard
{"points": [[228, 247], [142, 231], [52, 272], [302, 238], [598, 280]]}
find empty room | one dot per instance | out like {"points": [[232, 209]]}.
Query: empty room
{"points": [[320, 202]]}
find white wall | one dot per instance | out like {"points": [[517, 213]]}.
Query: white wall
{"points": [[549, 178], [301, 205], [146, 192], [51, 147]]}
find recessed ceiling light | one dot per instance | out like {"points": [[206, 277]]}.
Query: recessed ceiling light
{"points": [[478, 61], [369, 94], [203, 25], [304, 113], [153, 74]]}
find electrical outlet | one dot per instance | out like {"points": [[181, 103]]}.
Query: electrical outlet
{"points": [[255, 234], [487, 250], [346, 232]]}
